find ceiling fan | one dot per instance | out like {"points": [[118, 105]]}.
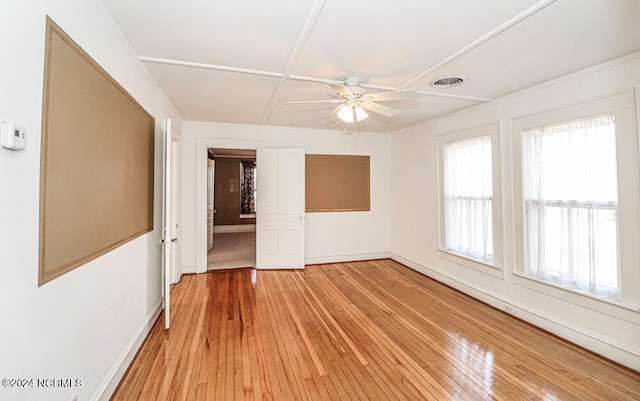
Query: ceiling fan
{"points": [[354, 102]]}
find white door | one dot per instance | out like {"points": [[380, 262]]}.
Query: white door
{"points": [[176, 272], [280, 220], [211, 168], [167, 223]]}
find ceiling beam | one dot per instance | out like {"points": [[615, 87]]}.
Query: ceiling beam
{"points": [[181, 63], [479, 41], [309, 24], [386, 88]]}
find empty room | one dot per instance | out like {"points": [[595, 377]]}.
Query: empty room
{"points": [[319, 200]]}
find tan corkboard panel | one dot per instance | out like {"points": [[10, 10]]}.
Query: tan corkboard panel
{"points": [[97, 161], [337, 183]]}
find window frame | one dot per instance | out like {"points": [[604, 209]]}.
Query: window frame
{"points": [[627, 154], [495, 267]]}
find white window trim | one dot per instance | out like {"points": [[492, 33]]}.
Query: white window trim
{"points": [[622, 106], [496, 267]]}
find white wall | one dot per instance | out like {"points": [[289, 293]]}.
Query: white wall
{"points": [[330, 237], [613, 331], [81, 325]]}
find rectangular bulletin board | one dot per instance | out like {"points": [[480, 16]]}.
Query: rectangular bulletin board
{"points": [[337, 183], [97, 161]]}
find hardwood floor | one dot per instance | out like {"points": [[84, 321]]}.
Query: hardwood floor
{"points": [[355, 331]]}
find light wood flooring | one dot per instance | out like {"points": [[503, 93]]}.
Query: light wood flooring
{"points": [[355, 331]]}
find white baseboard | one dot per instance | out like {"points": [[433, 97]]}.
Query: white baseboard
{"points": [[239, 228], [594, 342], [111, 381], [345, 258], [188, 270]]}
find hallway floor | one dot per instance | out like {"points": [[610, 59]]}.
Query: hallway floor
{"points": [[232, 250]]}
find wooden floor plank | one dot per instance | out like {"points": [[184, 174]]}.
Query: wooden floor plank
{"points": [[217, 378], [286, 345], [362, 331], [274, 361]]}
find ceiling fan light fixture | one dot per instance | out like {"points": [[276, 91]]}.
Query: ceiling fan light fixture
{"points": [[346, 113]]}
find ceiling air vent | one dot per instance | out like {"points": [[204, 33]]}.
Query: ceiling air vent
{"points": [[448, 81]]}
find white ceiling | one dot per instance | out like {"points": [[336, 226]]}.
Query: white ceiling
{"points": [[238, 61]]}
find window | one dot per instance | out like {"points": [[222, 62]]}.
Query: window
{"points": [[570, 188], [470, 219], [467, 186], [248, 192], [576, 188]]}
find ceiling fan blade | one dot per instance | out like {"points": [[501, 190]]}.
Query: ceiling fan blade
{"points": [[379, 109], [315, 101], [342, 90], [396, 95]]}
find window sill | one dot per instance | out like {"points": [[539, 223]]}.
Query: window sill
{"points": [[551, 289], [465, 261]]}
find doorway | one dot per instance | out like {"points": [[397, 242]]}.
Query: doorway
{"points": [[231, 200]]}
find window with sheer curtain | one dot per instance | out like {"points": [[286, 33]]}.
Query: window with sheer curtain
{"points": [[570, 190], [467, 185]]}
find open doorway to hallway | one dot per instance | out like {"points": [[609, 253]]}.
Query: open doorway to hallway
{"points": [[231, 200], [232, 250]]}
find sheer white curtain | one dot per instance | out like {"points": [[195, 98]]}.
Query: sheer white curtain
{"points": [[467, 172], [571, 200]]}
